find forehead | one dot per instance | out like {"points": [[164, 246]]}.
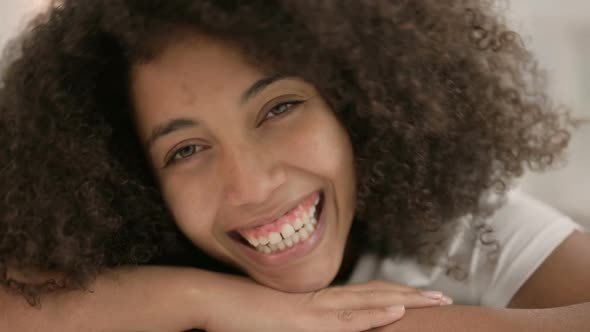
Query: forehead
{"points": [[199, 62], [190, 72]]}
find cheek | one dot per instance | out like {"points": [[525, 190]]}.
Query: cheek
{"points": [[323, 146], [194, 204], [192, 207]]}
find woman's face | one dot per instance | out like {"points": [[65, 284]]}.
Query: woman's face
{"points": [[255, 169]]}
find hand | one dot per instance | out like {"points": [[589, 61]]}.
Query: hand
{"points": [[351, 308]]}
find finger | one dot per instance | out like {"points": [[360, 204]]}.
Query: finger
{"points": [[378, 284], [378, 299], [361, 320]]}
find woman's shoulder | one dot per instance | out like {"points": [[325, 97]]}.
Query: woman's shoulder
{"points": [[527, 231], [483, 262]]}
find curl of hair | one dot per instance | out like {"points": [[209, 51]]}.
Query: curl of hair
{"points": [[442, 101]]}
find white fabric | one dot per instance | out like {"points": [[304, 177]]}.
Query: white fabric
{"points": [[527, 232]]}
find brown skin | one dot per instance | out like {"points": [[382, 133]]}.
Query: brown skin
{"points": [[560, 286], [467, 319], [243, 160], [568, 267]]}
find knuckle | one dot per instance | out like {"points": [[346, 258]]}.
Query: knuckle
{"points": [[372, 314], [344, 315]]}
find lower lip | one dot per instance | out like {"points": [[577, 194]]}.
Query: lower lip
{"points": [[298, 250]]}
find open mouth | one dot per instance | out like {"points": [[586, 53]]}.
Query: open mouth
{"points": [[293, 228]]}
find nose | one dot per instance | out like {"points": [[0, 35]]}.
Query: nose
{"points": [[252, 174]]}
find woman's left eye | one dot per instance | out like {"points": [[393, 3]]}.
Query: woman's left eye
{"points": [[281, 108]]}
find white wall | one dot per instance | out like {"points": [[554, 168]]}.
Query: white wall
{"points": [[560, 36], [14, 14]]}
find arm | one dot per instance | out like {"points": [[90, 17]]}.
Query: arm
{"points": [[171, 299], [561, 285], [469, 319], [128, 299]]}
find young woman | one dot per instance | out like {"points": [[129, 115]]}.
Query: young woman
{"points": [[256, 166]]}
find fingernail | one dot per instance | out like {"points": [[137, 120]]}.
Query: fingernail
{"points": [[445, 300], [396, 309], [435, 295]]}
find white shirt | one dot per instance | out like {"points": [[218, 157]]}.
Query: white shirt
{"points": [[526, 230]]}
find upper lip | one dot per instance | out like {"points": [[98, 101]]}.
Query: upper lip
{"points": [[277, 213]]}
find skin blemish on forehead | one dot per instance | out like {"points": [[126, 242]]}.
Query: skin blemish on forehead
{"points": [[189, 97]]}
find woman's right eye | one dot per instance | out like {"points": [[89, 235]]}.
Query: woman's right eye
{"points": [[184, 152]]}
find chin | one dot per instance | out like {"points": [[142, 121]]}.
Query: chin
{"points": [[301, 281], [298, 287], [306, 287]]}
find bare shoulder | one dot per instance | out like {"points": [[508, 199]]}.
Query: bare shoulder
{"points": [[562, 279]]}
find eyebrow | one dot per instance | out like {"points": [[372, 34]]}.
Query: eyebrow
{"points": [[260, 85], [182, 123], [169, 127]]}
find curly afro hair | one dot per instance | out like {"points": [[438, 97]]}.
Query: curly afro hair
{"points": [[442, 101]]}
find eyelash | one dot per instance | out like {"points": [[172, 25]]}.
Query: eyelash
{"points": [[292, 103], [173, 159]]}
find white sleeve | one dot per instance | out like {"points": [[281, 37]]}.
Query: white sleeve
{"points": [[527, 231]]}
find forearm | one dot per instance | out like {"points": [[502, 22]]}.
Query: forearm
{"points": [[127, 299], [468, 319]]}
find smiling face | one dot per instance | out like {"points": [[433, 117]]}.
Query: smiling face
{"points": [[255, 169]]}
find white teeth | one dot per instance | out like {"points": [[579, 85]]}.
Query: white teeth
{"points": [[274, 238], [313, 221], [253, 241], [317, 200], [287, 231], [289, 234], [305, 218], [303, 234]]}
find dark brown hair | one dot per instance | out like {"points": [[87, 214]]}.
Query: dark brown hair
{"points": [[442, 101]]}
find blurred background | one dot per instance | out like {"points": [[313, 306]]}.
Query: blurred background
{"points": [[557, 31]]}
